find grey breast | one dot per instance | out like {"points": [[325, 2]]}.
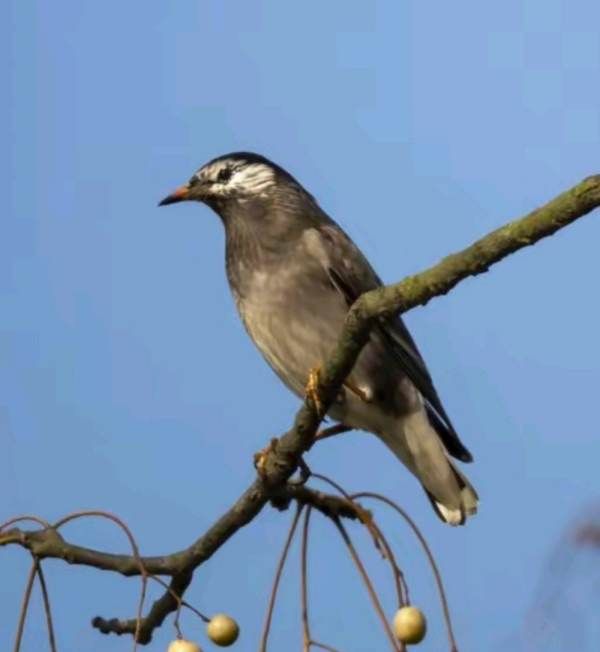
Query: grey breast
{"points": [[291, 311]]}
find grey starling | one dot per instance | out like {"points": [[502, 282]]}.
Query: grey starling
{"points": [[294, 273]]}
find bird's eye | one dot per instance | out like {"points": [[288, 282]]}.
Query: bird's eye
{"points": [[224, 175]]}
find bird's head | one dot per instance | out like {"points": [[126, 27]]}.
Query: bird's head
{"points": [[237, 177]]}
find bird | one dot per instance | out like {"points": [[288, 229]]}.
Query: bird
{"points": [[294, 273]]}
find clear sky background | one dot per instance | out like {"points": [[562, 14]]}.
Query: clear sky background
{"points": [[127, 382]]}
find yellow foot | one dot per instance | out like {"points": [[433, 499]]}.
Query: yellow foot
{"points": [[312, 389], [361, 393], [260, 458]]}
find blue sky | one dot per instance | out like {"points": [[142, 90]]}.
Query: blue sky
{"points": [[127, 382]]}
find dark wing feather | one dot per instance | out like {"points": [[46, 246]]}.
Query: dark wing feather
{"points": [[352, 275]]}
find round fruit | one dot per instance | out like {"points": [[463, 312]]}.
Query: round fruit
{"points": [[183, 645], [222, 630], [410, 625]]}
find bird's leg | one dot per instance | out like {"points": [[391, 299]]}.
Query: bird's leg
{"points": [[260, 458], [304, 474], [305, 471], [338, 429], [312, 389], [361, 393]]}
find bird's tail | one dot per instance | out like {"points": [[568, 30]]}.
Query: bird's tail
{"points": [[419, 447]]}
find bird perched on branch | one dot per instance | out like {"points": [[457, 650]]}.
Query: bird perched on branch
{"points": [[294, 273]]}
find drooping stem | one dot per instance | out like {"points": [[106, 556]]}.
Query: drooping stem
{"points": [[306, 638], [428, 553], [367, 581], [278, 572], [47, 609], [136, 554], [25, 606]]}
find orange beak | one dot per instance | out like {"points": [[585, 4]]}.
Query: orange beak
{"points": [[181, 194]]}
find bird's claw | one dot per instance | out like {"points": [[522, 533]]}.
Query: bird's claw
{"points": [[304, 474], [261, 458], [312, 389]]}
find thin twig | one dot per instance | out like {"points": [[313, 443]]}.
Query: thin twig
{"points": [[180, 603], [47, 609], [203, 617], [399, 582], [26, 517], [304, 581], [136, 553], [430, 557], [364, 515], [323, 646], [159, 610], [25, 606], [278, 572], [367, 581], [307, 640], [338, 429], [378, 538]]}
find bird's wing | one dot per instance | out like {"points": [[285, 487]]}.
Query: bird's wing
{"points": [[352, 275]]}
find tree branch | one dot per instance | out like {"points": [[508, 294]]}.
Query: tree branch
{"points": [[283, 460], [161, 608], [47, 543], [441, 278]]}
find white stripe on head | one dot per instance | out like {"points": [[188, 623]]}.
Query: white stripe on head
{"points": [[252, 178], [230, 176]]}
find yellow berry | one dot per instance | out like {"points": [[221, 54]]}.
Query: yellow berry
{"points": [[410, 625], [183, 645], [222, 630]]}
